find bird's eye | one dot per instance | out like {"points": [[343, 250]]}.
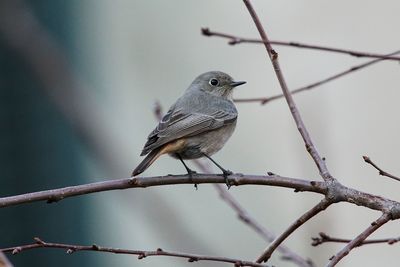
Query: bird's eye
{"points": [[214, 82]]}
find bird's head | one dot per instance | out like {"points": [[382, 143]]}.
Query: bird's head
{"points": [[217, 83]]}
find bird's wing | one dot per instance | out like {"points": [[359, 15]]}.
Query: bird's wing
{"points": [[176, 124]]}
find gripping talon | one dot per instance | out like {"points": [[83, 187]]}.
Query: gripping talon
{"points": [[226, 173], [190, 173]]}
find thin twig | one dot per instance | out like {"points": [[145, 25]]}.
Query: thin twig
{"points": [[322, 205], [265, 100], [289, 99], [381, 172], [359, 239], [233, 40], [141, 253], [324, 238]]}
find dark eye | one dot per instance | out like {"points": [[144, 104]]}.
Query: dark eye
{"points": [[214, 82]]}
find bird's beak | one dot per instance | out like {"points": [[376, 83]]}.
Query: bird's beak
{"points": [[234, 84]]}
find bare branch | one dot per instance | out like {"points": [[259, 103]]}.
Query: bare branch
{"points": [[265, 100], [381, 172], [289, 99], [340, 192], [359, 239], [233, 40], [324, 238], [141, 253], [4, 262], [300, 221], [55, 195], [158, 112]]}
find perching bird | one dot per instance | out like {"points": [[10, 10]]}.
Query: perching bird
{"points": [[197, 125]]}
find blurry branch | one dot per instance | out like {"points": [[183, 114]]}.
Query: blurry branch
{"points": [[242, 214], [335, 191], [55, 195], [234, 40], [381, 172], [21, 31], [265, 100], [4, 262], [141, 253], [324, 238], [359, 239], [74, 99]]}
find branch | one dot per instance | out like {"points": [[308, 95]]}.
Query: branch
{"points": [[4, 262], [324, 238], [381, 172], [233, 40], [141, 253], [359, 239], [336, 193], [55, 195], [289, 99], [265, 100], [303, 219]]}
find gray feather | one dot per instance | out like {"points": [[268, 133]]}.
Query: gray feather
{"points": [[194, 113]]}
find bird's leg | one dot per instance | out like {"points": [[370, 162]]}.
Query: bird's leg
{"points": [[189, 171], [225, 172]]}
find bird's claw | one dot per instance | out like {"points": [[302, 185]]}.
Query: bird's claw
{"points": [[190, 173], [226, 173]]}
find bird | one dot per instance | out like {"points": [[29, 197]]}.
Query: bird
{"points": [[198, 125]]}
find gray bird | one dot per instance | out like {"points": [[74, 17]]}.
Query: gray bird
{"points": [[197, 125]]}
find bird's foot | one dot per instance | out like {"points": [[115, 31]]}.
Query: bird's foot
{"points": [[226, 173], [190, 173]]}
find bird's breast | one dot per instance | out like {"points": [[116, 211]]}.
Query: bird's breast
{"points": [[207, 142]]}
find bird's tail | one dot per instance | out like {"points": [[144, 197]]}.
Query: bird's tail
{"points": [[147, 161]]}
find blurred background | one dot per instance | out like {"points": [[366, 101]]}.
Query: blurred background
{"points": [[78, 83]]}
